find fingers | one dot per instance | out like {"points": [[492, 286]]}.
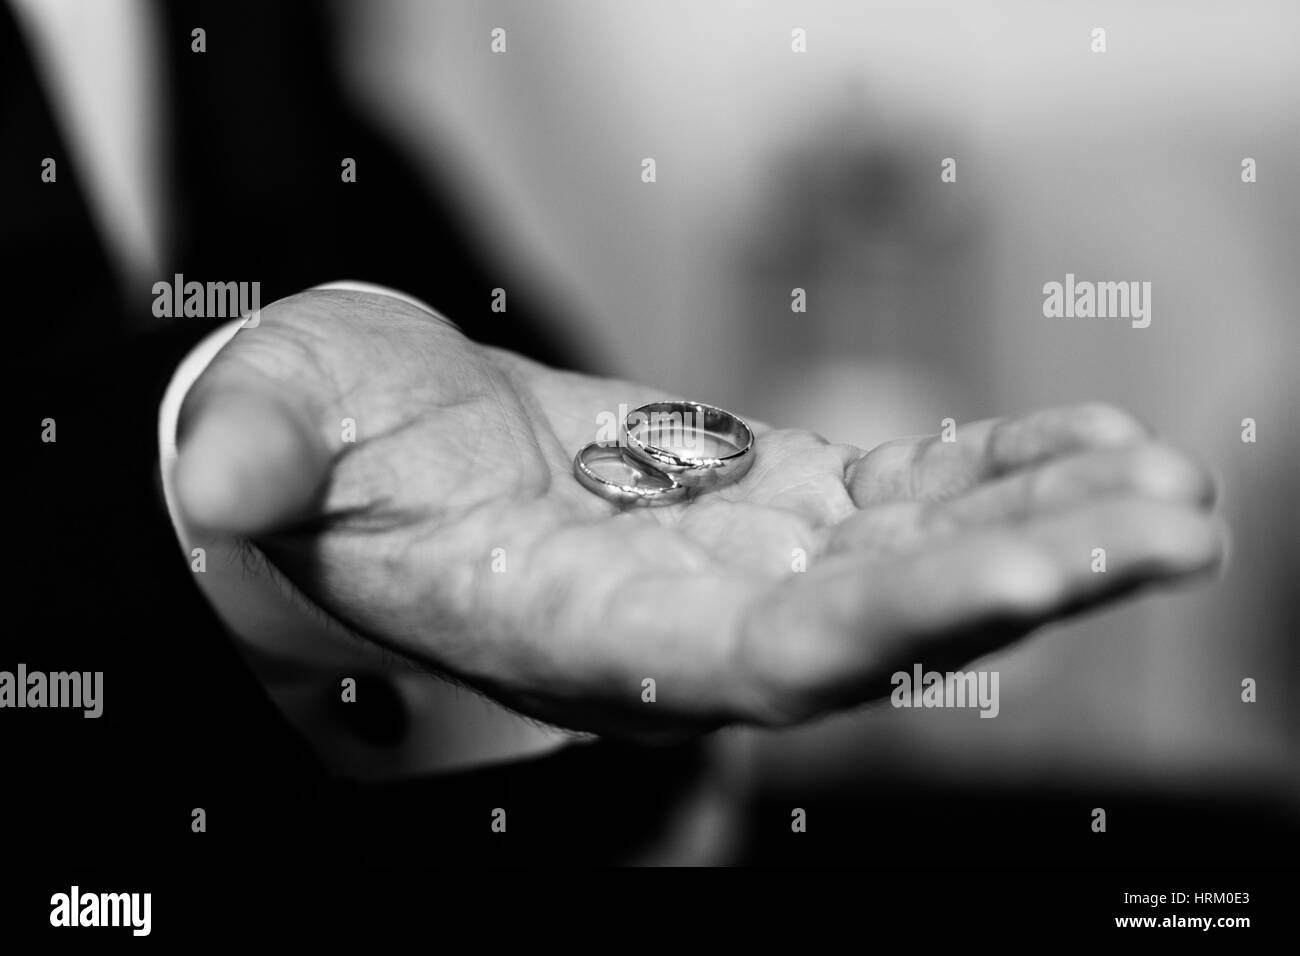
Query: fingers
{"points": [[831, 637], [252, 459], [1149, 470], [929, 467]]}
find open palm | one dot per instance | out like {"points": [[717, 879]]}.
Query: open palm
{"points": [[451, 528]]}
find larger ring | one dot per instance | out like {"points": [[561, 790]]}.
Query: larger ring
{"points": [[699, 445], [633, 482]]}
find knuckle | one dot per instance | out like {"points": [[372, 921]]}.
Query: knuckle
{"points": [[1108, 424], [1161, 471]]}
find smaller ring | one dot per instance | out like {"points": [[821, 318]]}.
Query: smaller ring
{"points": [[662, 435], [647, 487]]}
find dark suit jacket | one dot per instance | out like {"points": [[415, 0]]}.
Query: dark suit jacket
{"points": [[94, 577]]}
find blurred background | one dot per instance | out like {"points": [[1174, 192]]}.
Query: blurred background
{"points": [[822, 171]]}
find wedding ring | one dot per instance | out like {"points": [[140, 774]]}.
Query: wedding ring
{"points": [[605, 468], [698, 445]]}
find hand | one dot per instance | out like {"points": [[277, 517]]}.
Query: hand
{"points": [[919, 551]]}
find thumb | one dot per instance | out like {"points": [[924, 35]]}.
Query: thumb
{"points": [[251, 460]]}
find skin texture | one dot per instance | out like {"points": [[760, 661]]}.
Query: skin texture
{"points": [[917, 551]]}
